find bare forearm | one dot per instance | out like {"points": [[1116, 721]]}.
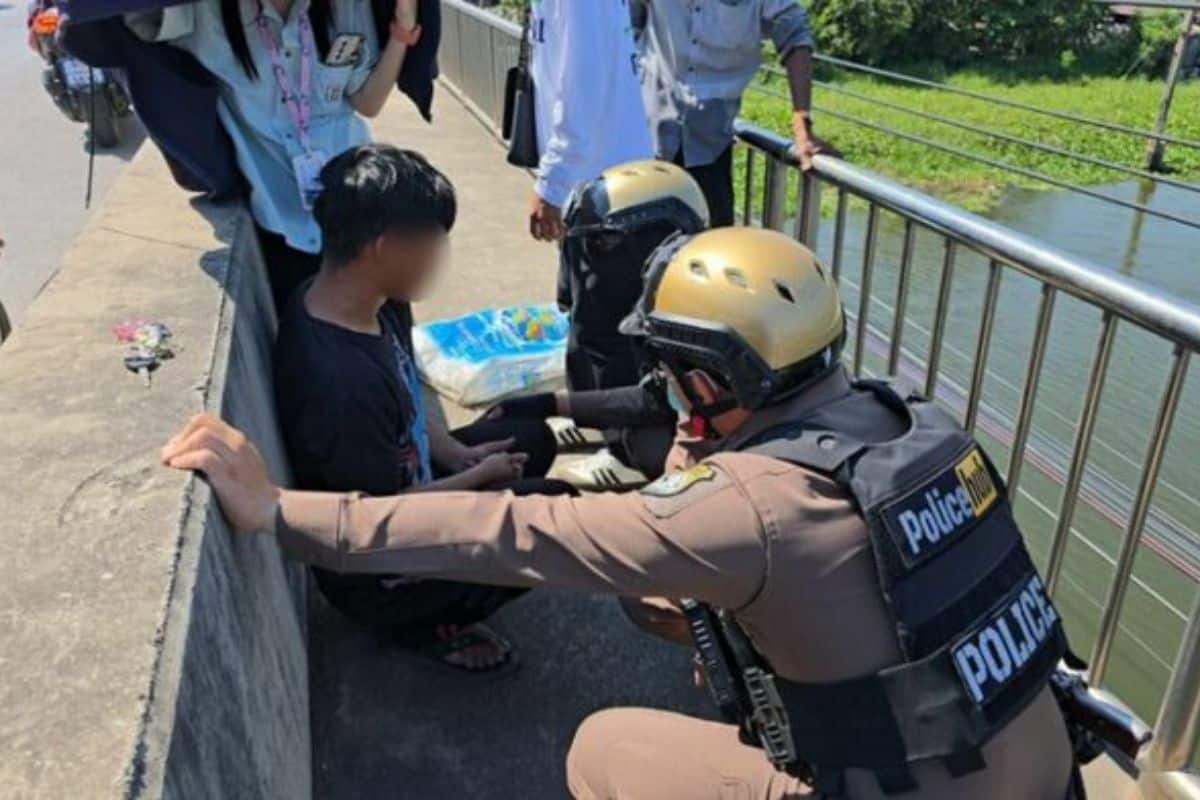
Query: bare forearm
{"points": [[444, 449], [799, 72], [370, 99]]}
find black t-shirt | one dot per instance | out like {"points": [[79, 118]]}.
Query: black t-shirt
{"points": [[349, 403]]}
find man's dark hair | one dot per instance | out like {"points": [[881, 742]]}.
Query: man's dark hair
{"points": [[375, 189]]}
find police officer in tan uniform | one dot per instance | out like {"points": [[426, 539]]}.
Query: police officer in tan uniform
{"points": [[862, 605]]}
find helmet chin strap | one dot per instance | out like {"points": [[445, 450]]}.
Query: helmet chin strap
{"points": [[703, 414]]}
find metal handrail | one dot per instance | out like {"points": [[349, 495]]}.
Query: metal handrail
{"points": [[995, 163], [1127, 297], [1120, 299]]}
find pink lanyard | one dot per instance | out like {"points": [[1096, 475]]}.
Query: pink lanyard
{"points": [[298, 102]]}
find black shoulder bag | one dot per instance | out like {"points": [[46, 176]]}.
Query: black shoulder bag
{"points": [[519, 126]]}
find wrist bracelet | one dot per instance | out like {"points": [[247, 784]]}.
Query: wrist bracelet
{"points": [[409, 37]]}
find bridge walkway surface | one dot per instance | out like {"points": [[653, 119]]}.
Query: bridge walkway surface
{"points": [[385, 724]]}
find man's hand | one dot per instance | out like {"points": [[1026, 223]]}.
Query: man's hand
{"points": [[804, 145], [233, 467], [464, 458], [545, 220], [499, 468]]}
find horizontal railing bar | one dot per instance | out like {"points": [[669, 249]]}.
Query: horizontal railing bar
{"points": [[1129, 298], [1008, 137], [1001, 101], [1001, 165]]}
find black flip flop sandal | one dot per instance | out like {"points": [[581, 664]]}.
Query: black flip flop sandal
{"points": [[473, 636]]}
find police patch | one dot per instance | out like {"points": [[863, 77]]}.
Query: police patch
{"points": [[931, 517], [673, 493], [994, 654], [679, 482]]}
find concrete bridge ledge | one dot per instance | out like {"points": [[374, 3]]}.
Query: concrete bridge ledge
{"points": [[145, 652]]}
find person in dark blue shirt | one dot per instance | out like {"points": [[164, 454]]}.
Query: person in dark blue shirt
{"points": [[350, 402]]}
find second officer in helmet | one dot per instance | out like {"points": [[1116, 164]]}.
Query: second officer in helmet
{"points": [[867, 615]]}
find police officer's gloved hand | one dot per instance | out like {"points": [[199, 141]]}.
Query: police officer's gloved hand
{"points": [[534, 406]]}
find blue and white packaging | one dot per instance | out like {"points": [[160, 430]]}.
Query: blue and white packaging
{"points": [[488, 355]]}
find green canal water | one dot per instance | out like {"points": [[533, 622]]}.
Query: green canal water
{"points": [[1161, 253]]}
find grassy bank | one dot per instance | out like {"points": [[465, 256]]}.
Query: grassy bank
{"points": [[1132, 102]]}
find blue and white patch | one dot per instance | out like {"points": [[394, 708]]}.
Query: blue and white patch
{"points": [[992, 655], [933, 516]]}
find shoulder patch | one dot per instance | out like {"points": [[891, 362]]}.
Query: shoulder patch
{"points": [[672, 493], [679, 482]]}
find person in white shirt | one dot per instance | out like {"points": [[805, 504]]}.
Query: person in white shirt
{"points": [[588, 102]]}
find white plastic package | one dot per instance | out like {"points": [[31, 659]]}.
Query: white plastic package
{"points": [[488, 355]]}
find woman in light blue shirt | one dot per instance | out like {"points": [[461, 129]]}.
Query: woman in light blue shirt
{"points": [[294, 76]]}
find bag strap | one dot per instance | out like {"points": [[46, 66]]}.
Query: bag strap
{"points": [[525, 52]]}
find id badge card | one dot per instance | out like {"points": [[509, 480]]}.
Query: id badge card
{"points": [[345, 49], [307, 167]]}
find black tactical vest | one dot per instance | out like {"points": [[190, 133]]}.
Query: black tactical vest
{"points": [[979, 636]]}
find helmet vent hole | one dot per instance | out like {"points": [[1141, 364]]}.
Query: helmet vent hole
{"points": [[785, 292], [698, 269], [735, 277], [661, 169]]}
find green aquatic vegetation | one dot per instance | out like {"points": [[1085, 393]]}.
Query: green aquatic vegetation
{"points": [[1127, 101]]}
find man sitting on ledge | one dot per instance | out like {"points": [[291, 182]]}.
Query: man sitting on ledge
{"points": [[350, 405]]}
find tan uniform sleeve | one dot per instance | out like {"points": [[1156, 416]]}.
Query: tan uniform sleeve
{"points": [[705, 542]]}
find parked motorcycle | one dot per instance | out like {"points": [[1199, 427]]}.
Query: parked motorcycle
{"points": [[91, 96]]}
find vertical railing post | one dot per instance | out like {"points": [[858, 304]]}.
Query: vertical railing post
{"points": [[1083, 441], [982, 345], [901, 309], [774, 193], [864, 288], [1178, 724], [939, 317], [839, 233], [1137, 519], [1033, 376], [808, 216], [748, 186]]}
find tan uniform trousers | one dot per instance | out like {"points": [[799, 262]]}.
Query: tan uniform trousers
{"points": [[644, 754]]}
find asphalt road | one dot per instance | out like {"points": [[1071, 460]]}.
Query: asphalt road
{"points": [[43, 170]]}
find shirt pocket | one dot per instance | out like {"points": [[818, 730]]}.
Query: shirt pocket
{"points": [[728, 33], [331, 86]]}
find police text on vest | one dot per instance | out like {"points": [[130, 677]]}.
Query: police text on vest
{"points": [[989, 657], [943, 508]]}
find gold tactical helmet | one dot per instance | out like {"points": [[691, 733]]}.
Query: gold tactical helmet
{"points": [[751, 306], [633, 197]]}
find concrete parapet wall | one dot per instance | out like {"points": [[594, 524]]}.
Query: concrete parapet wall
{"points": [[144, 652]]}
